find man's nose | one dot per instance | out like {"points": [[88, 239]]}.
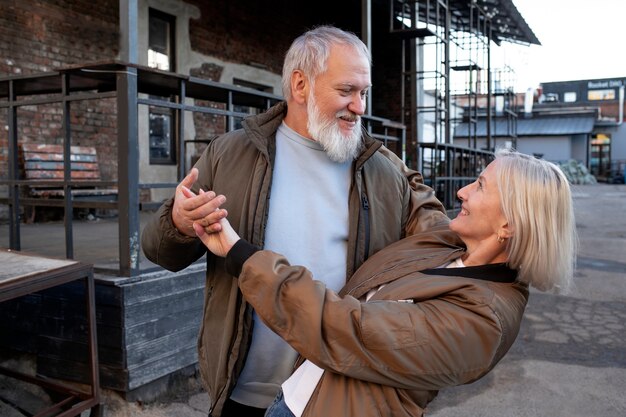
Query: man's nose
{"points": [[357, 105]]}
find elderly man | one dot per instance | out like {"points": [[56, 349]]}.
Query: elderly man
{"points": [[303, 179]]}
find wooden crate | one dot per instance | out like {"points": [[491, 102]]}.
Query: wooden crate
{"points": [[147, 328]]}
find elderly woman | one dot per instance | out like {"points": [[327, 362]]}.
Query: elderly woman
{"points": [[419, 315]]}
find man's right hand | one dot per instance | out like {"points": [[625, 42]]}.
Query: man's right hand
{"points": [[203, 208]]}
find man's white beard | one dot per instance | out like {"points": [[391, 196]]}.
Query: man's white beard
{"points": [[339, 147]]}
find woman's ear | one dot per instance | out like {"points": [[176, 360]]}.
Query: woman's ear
{"points": [[299, 86], [505, 231]]}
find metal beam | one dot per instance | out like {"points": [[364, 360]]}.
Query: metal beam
{"points": [[366, 37], [14, 189], [128, 172], [128, 31], [489, 89]]}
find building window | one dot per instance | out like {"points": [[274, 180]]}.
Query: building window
{"points": [[569, 97], [161, 41], [161, 150], [247, 109], [161, 55], [608, 94], [600, 156]]}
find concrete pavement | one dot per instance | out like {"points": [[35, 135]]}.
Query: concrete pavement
{"points": [[570, 357]]}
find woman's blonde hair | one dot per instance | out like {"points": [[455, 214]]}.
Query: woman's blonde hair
{"points": [[537, 203]]}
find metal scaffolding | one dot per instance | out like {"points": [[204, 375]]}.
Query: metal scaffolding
{"points": [[447, 79]]}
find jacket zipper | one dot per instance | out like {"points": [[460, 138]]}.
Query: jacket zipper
{"points": [[366, 218], [244, 346]]}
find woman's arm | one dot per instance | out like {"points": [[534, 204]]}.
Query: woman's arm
{"points": [[435, 337]]}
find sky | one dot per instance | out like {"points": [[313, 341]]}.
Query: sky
{"points": [[580, 39]]}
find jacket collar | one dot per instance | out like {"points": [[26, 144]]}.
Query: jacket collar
{"points": [[261, 129], [424, 250], [370, 146], [492, 272]]}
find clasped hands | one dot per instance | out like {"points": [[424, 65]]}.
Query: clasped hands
{"points": [[200, 215]]}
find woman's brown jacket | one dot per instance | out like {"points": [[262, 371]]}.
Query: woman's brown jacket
{"points": [[421, 332]]}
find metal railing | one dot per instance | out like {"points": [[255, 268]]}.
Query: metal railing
{"points": [[130, 87], [447, 168]]}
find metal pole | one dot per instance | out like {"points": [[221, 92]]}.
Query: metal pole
{"points": [[488, 138], [366, 37], [447, 84], [67, 169], [415, 97], [180, 118], [128, 31], [14, 189], [416, 87], [128, 172]]}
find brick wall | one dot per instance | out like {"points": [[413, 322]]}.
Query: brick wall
{"points": [[40, 36], [251, 31], [208, 125], [43, 35]]}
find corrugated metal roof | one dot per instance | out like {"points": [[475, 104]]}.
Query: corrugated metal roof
{"points": [[507, 24], [499, 19], [535, 126]]}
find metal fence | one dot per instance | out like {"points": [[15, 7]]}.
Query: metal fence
{"points": [[447, 168], [129, 88]]}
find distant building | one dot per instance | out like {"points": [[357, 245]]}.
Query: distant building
{"points": [[580, 120], [606, 146]]}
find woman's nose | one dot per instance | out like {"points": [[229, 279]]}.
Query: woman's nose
{"points": [[462, 193]]}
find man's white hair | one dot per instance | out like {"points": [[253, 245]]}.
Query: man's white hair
{"points": [[309, 53]]}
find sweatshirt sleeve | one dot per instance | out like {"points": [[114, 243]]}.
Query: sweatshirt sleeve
{"points": [[413, 344]]}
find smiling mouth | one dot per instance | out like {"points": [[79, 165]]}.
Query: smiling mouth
{"points": [[347, 116]]}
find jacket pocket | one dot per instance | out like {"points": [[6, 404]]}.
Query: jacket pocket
{"points": [[385, 330]]}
